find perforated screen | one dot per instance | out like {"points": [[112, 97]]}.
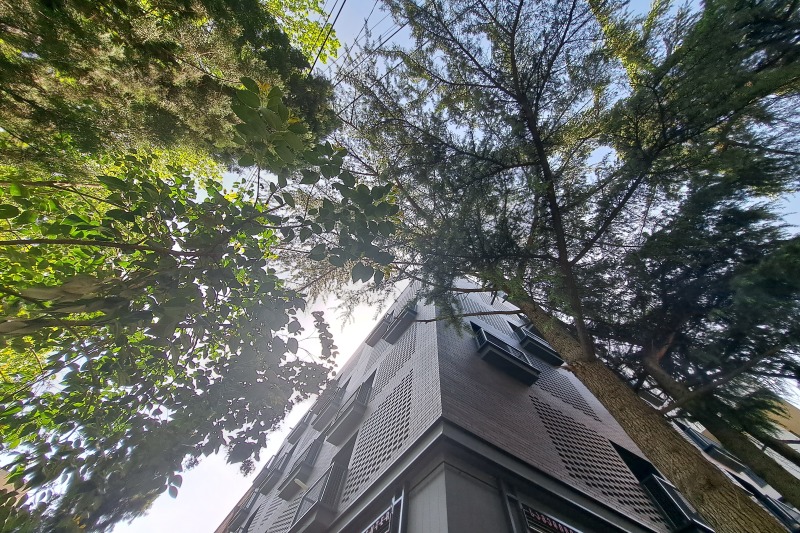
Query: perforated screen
{"points": [[560, 386], [383, 433], [592, 460], [284, 520], [395, 360]]}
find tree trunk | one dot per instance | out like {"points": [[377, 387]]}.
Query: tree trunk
{"points": [[735, 441], [780, 447], [728, 508], [763, 465]]}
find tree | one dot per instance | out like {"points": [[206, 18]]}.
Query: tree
{"points": [[524, 153], [161, 329], [704, 309], [96, 76]]}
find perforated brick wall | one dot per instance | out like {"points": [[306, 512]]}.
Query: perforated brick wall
{"points": [[398, 356], [383, 434], [559, 385], [284, 519], [592, 461]]}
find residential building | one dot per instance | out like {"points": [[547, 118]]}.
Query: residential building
{"points": [[473, 427]]}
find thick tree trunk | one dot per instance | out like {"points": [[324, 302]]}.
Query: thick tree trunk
{"points": [[725, 506], [763, 465], [735, 441]]}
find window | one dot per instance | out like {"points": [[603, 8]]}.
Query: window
{"points": [[498, 353]]}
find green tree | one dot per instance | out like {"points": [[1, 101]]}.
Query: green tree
{"points": [[703, 309], [95, 76], [525, 155], [150, 301]]}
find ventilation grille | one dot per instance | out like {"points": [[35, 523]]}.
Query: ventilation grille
{"points": [[384, 432], [591, 459], [560, 386], [395, 360], [497, 321], [284, 520]]}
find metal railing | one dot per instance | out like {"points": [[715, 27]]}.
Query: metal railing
{"points": [[484, 338], [324, 491], [361, 395]]}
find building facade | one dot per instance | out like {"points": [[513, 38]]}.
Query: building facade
{"points": [[431, 427]]}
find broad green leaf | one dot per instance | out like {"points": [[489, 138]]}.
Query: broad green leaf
{"points": [[250, 84], [248, 98], [247, 160], [113, 182], [8, 211], [309, 177]]}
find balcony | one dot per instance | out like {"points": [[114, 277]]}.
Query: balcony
{"points": [[274, 471], [299, 429], [317, 508], [238, 519], [328, 408], [674, 507], [377, 333], [242, 513], [300, 471], [510, 360], [400, 324], [349, 414], [537, 346]]}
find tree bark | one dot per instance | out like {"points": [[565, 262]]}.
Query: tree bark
{"points": [[735, 441], [762, 464], [725, 506]]}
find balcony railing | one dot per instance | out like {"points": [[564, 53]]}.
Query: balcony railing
{"points": [[377, 333], [242, 513], [674, 507], [328, 409], [300, 470], [317, 508], [299, 429], [509, 359], [349, 414], [538, 346], [400, 324], [274, 469]]}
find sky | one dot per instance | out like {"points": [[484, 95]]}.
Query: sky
{"points": [[211, 489]]}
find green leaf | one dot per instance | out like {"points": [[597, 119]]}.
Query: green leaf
{"points": [[16, 189], [305, 233], [173, 491], [247, 160], [317, 253], [112, 182], [289, 199], [245, 113], [293, 141], [119, 214], [292, 345], [27, 217], [309, 177], [272, 119], [284, 153], [248, 98], [8, 211], [362, 272], [250, 84], [379, 275]]}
